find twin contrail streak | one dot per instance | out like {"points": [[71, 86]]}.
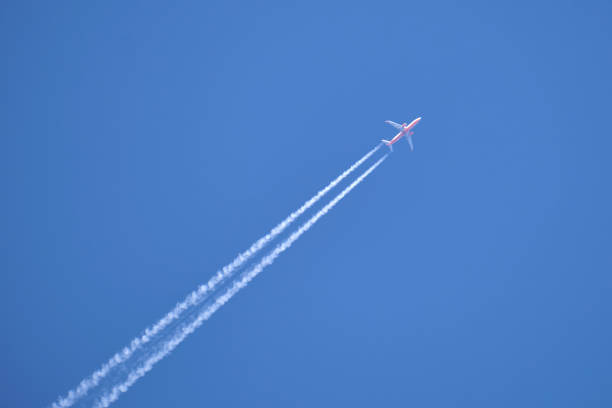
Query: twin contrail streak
{"points": [[238, 284], [198, 295]]}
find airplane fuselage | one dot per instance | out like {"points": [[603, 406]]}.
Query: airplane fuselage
{"points": [[405, 130]]}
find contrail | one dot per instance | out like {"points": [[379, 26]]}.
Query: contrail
{"points": [[199, 294], [238, 284]]}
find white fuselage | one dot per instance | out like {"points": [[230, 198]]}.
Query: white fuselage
{"points": [[405, 130]]}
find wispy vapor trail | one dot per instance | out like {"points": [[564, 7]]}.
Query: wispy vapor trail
{"points": [[199, 294], [238, 284]]}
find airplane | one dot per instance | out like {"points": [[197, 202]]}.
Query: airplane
{"points": [[405, 130]]}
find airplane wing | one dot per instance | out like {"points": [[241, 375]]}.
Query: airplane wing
{"points": [[409, 139], [395, 125]]}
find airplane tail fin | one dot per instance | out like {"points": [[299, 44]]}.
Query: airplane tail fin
{"points": [[388, 143]]}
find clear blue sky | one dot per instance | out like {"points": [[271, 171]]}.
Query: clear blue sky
{"points": [[145, 144]]}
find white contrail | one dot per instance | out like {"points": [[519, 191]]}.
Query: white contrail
{"points": [[238, 284], [199, 294]]}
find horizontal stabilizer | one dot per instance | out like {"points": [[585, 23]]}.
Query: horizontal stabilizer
{"points": [[388, 143]]}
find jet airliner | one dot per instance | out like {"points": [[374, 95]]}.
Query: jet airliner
{"points": [[405, 130]]}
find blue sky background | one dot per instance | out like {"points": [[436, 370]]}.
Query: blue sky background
{"points": [[145, 144]]}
